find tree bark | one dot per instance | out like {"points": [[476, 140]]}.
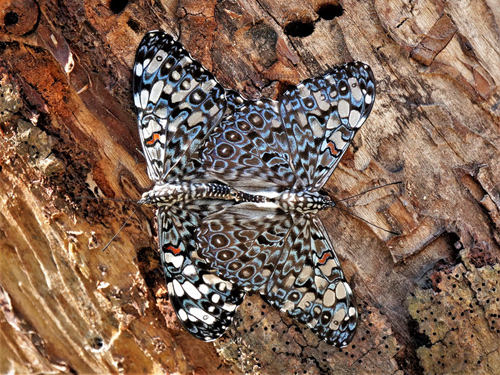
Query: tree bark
{"points": [[428, 297]]}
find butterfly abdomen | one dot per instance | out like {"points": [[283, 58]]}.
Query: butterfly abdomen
{"points": [[171, 193]]}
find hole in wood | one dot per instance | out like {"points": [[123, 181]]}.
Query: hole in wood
{"points": [[11, 18], [299, 29], [330, 11], [118, 6]]}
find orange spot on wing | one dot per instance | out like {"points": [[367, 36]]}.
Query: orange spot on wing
{"points": [[175, 250], [331, 146], [156, 137], [325, 258]]}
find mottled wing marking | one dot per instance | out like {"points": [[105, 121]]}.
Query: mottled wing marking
{"points": [[249, 150], [296, 142], [178, 103], [203, 302], [308, 284], [288, 259], [243, 243], [321, 117]]}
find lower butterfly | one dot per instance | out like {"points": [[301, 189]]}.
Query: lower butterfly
{"points": [[238, 186]]}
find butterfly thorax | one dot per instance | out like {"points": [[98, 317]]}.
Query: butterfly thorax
{"points": [[304, 201], [172, 193]]}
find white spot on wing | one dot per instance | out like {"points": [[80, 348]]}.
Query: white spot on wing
{"points": [[176, 260], [355, 90], [138, 69], [191, 290], [202, 315], [156, 91], [316, 126], [179, 292], [182, 315], [354, 118], [144, 98], [343, 108], [190, 271], [340, 291]]}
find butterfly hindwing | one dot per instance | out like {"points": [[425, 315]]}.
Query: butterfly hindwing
{"points": [[288, 259], [243, 243], [203, 302], [308, 283], [178, 102]]}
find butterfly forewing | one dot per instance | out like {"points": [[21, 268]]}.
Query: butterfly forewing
{"points": [[321, 117], [178, 103]]}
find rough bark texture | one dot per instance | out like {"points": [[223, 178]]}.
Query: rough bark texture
{"points": [[429, 298]]}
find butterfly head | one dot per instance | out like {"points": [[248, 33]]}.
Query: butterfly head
{"points": [[304, 201]]}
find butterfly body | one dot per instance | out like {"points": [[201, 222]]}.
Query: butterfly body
{"points": [[304, 201]]}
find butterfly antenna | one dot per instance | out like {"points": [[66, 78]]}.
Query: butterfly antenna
{"points": [[123, 226], [366, 221], [367, 191]]}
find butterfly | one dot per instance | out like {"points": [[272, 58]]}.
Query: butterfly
{"points": [[238, 187]]}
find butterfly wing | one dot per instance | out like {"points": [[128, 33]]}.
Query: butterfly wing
{"points": [[243, 243], [288, 259], [249, 150], [203, 302], [309, 285], [322, 115], [178, 103], [296, 142]]}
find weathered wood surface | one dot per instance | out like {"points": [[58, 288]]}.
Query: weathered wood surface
{"points": [[429, 298]]}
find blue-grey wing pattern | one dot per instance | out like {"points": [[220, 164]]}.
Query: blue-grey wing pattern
{"points": [[193, 133], [178, 102], [286, 257], [203, 302], [322, 115], [249, 151]]}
